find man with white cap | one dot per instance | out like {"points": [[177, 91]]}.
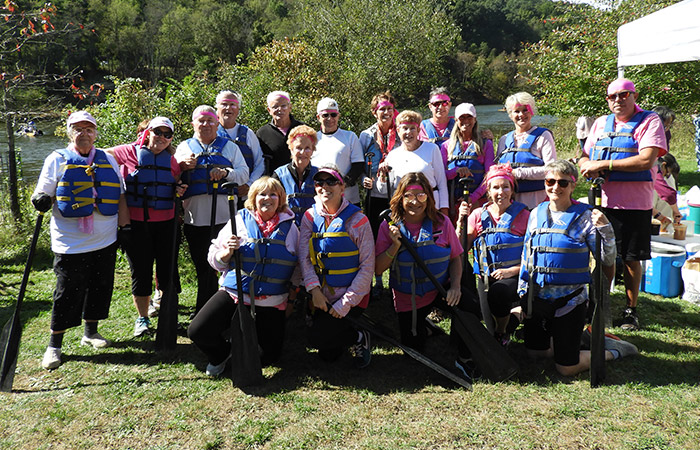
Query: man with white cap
{"points": [[623, 147], [339, 147], [273, 136], [83, 187], [228, 106]]}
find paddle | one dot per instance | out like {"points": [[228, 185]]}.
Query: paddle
{"points": [[12, 332], [597, 287], [245, 357], [368, 197], [489, 355], [166, 334]]}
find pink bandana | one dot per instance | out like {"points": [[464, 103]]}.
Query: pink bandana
{"points": [[500, 171], [266, 227], [439, 98]]}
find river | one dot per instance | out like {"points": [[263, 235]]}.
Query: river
{"points": [[33, 150]]}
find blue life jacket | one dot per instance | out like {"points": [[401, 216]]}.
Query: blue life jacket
{"points": [[334, 255], [433, 134], [615, 145], [241, 141], [522, 157], [267, 264], [468, 158], [299, 198], [152, 181], [75, 195], [406, 276], [197, 179], [497, 247], [553, 256]]}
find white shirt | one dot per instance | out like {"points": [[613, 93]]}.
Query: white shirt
{"points": [[341, 148], [66, 238], [197, 209], [254, 144]]}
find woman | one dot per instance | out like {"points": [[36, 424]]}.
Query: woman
{"points": [[467, 154], [560, 236], [88, 207], [207, 161], [266, 231], [415, 217], [335, 255], [437, 129], [151, 176], [496, 232], [377, 141], [528, 148], [414, 156], [297, 177]]}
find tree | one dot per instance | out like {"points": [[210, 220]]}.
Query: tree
{"points": [[569, 69]]}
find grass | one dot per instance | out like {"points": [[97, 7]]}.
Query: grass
{"points": [[131, 397]]}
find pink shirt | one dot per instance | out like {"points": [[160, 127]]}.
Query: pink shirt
{"points": [[127, 160], [631, 194], [440, 128], [448, 238]]}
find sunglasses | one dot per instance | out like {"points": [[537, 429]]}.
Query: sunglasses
{"points": [[327, 115], [440, 103], [553, 181], [620, 95], [330, 182], [165, 134], [410, 196]]}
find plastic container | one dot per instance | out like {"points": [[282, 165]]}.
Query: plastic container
{"points": [[679, 230], [694, 215], [690, 227], [662, 273]]}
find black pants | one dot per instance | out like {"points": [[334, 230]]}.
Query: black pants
{"points": [[214, 318], [332, 336], [199, 240], [502, 296], [151, 242], [84, 283]]}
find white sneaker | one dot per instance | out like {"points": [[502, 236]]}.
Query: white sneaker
{"points": [[216, 370], [142, 327], [52, 358], [96, 340], [153, 307]]}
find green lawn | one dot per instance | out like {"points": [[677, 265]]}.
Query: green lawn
{"points": [[129, 396]]}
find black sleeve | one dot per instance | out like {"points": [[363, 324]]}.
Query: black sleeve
{"points": [[356, 169]]}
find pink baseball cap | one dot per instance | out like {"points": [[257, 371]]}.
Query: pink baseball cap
{"points": [[619, 85], [330, 171]]}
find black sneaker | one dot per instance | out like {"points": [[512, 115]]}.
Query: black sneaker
{"points": [[630, 321], [362, 351], [467, 369]]}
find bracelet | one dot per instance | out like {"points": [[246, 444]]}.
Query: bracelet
{"points": [[657, 215], [610, 165], [389, 255]]}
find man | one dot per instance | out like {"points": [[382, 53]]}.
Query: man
{"points": [[228, 106], [623, 147], [438, 128], [83, 188], [273, 136], [339, 147]]}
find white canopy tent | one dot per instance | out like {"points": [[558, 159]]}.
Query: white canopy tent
{"points": [[669, 35]]}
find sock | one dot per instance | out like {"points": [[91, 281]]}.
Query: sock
{"points": [[615, 353], [56, 340], [90, 328]]}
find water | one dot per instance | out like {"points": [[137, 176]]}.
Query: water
{"points": [[33, 150]]}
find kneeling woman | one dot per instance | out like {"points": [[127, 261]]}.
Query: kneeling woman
{"points": [[554, 273], [335, 255], [268, 240], [416, 217], [496, 232]]}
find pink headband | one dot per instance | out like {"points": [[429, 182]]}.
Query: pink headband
{"points": [[282, 96], [384, 103], [410, 123], [414, 187], [500, 171], [439, 98], [205, 113], [529, 108], [229, 100]]}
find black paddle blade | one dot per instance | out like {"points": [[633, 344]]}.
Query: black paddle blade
{"points": [[246, 369], [11, 335], [166, 333], [597, 347], [490, 357]]}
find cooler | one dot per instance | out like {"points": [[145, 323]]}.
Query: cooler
{"points": [[662, 273]]}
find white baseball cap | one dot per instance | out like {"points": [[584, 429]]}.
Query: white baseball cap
{"points": [[465, 108], [80, 116], [327, 104], [160, 122]]}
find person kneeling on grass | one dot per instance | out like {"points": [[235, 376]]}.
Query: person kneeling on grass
{"points": [[267, 239], [554, 273], [335, 254]]}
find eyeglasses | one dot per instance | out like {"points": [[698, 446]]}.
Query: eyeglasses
{"points": [[330, 182], [440, 103], [410, 196], [553, 181], [165, 134], [620, 95], [327, 115]]}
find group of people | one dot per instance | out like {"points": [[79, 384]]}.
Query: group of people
{"points": [[302, 234]]}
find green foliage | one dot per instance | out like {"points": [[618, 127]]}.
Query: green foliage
{"points": [[570, 68]]}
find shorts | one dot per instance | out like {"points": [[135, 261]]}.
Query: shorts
{"points": [[632, 232], [565, 331]]}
